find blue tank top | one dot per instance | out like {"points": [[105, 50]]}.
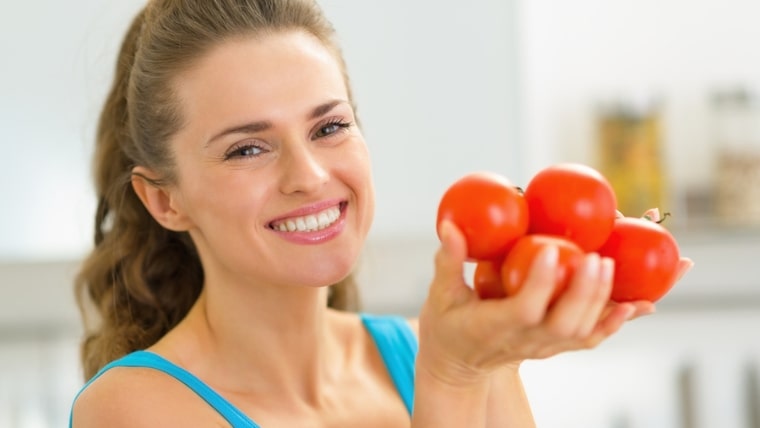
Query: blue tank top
{"points": [[394, 340]]}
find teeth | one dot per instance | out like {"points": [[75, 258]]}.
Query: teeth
{"points": [[309, 223]]}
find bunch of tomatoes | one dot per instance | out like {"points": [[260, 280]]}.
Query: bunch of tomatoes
{"points": [[571, 206]]}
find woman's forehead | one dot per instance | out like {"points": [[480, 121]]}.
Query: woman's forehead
{"points": [[277, 76], [264, 60]]}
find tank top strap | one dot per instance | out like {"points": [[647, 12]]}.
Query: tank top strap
{"points": [[398, 347], [147, 359]]}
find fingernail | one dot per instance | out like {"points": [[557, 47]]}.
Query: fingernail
{"points": [[592, 264], [549, 256], [656, 214], [643, 312], [444, 229], [683, 269], [629, 312], [652, 214], [607, 270]]}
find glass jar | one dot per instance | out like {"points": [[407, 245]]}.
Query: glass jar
{"points": [[736, 115], [630, 153]]}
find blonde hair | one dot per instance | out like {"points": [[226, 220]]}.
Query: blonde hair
{"points": [[141, 279]]}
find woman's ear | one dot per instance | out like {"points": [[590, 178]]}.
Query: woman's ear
{"points": [[160, 201]]}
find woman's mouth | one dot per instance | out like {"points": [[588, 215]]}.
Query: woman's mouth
{"points": [[309, 223]]}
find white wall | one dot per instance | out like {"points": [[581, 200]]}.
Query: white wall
{"points": [[435, 83], [57, 59], [645, 375]]}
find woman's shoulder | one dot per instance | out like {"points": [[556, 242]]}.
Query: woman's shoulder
{"points": [[140, 397]]}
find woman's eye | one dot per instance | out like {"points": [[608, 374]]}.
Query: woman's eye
{"points": [[331, 128], [248, 150]]}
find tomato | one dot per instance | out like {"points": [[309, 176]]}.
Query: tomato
{"points": [[487, 279], [574, 201], [646, 259], [489, 210], [518, 262]]}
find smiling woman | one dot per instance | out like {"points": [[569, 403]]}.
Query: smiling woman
{"points": [[235, 195]]}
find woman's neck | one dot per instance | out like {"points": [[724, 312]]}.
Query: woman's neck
{"points": [[273, 339]]}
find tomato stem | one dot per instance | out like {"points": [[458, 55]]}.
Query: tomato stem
{"points": [[664, 216], [662, 219]]}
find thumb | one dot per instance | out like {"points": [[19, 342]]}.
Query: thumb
{"points": [[451, 256]]}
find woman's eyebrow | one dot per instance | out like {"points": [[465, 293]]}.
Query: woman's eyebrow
{"points": [[263, 125], [325, 108], [248, 128]]}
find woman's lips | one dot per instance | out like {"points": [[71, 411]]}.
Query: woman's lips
{"points": [[318, 223], [309, 222]]}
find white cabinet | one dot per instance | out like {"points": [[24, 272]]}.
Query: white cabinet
{"points": [[674, 369], [39, 378]]}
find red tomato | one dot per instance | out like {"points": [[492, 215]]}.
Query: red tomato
{"points": [[487, 280], [489, 210], [574, 201], [518, 262], [646, 259]]}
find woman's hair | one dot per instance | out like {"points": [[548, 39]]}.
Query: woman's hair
{"points": [[141, 279]]}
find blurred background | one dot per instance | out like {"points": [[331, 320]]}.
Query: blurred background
{"points": [[661, 96]]}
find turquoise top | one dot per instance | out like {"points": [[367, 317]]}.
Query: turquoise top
{"points": [[394, 340]]}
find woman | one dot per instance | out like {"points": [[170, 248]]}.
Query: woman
{"points": [[235, 195]]}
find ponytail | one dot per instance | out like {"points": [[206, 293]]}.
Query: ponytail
{"points": [[140, 279]]}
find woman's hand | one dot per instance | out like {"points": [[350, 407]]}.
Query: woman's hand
{"points": [[464, 338]]}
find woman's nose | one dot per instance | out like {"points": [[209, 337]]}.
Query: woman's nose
{"points": [[302, 170]]}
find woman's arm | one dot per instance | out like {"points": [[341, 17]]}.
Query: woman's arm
{"points": [[506, 404], [497, 401], [440, 403]]}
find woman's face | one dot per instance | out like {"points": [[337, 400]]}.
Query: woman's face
{"points": [[273, 173]]}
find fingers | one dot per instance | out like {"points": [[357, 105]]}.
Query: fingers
{"points": [[684, 265], [612, 318], [449, 261], [579, 308], [453, 251], [641, 308], [610, 324], [565, 317], [532, 300], [600, 297], [652, 214]]}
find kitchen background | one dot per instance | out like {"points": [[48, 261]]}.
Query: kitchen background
{"points": [[666, 91]]}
